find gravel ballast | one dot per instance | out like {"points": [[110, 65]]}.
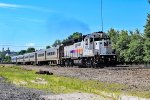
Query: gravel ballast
{"points": [[137, 79], [12, 92]]}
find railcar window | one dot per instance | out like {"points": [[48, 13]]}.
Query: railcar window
{"points": [[32, 56], [41, 55], [26, 57], [21, 57], [50, 53]]}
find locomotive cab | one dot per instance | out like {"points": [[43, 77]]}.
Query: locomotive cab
{"points": [[103, 47], [103, 52]]}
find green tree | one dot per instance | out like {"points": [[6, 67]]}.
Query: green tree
{"points": [[147, 27], [122, 45], [7, 59], [2, 56], [113, 34], [29, 50], [75, 35], [47, 47], [57, 42], [64, 40], [135, 52], [147, 40], [22, 52]]}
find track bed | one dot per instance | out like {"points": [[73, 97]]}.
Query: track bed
{"points": [[137, 77]]}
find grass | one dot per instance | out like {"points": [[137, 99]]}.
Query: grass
{"points": [[59, 84]]}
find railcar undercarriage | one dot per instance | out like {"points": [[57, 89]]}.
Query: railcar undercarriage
{"points": [[91, 62]]}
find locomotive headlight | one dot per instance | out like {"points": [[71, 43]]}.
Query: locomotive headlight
{"points": [[102, 56], [114, 56]]}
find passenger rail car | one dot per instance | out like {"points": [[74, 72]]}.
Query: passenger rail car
{"points": [[92, 50]]}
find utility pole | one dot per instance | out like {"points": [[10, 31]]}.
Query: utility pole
{"points": [[102, 15]]}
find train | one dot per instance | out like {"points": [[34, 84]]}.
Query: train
{"points": [[91, 50]]}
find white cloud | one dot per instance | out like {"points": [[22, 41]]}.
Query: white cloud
{"points": [[30, 44], [7, 5]]}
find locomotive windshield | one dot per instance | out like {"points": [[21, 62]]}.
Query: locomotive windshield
{"points": [[105, 43], [98, 39]]}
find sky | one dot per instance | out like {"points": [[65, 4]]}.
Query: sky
{"points": [[38, 23]]}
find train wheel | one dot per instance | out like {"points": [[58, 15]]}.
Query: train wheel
{"points": [[89, 63], [70, 63], [66, 64], [101, 65], [95, 65]]}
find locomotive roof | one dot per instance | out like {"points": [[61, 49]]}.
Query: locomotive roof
{"points": [[72, 41]]}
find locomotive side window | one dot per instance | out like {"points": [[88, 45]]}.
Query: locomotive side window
{"points": [[91, 40], [86, 41], [78, 44]]}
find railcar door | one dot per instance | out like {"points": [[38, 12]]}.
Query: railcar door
{"points": [[61, 53]]}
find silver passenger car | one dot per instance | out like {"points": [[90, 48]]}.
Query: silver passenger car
{"points": [[41, 56], [21, 59], [26, 58], [14, 59], [52, 55], [32, 58]]}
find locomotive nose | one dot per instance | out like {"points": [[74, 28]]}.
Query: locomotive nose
{"points": [[105, 47]]}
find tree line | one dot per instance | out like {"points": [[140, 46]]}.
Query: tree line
{"points": [[132, 46]]}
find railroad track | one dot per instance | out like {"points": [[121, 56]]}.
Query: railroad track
{"points": [[118, 67], [127, 67]]}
